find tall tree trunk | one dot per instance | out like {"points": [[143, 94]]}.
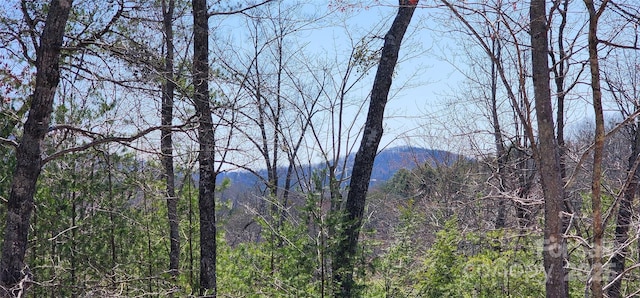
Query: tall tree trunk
{"points": [[623, 219], [166, 142], [596, 205], [501, 153], [207, 181], [559, 68], [547, 154], [74, 244], [345, 252], [28, 154]]}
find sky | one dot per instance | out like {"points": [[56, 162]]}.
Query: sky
{"points": [[427, 105], [416, 111], [424, 108]]}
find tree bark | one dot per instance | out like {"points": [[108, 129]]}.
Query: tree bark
{"points": [[547, 154], [501, 153], [207, 181], [596, 205], [623, 220], [14, 273], [166, 142], [343, 261], [559, 68]]}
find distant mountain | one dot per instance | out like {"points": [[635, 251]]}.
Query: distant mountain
{"points": [[386, 164], [389, 161]]}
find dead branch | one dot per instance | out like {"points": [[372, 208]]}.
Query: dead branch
{"points": [[101, 139]]}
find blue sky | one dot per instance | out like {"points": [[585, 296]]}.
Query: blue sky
{"points": [[427, 106], [422, 76]]}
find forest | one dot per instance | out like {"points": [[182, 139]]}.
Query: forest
{"points": [[285, 148]]}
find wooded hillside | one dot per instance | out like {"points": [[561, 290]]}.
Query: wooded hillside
{"points": [[271, 148]]}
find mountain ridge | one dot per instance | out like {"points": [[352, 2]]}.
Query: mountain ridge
{"points": [[387, 163]]}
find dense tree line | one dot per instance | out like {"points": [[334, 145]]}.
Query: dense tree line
{"points": [[117, 119]]}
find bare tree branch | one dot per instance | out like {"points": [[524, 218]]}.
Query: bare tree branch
{"points": [[585, 154], [635, 266], [8, 142], [104, 139], [621, 46], [237, 11]]}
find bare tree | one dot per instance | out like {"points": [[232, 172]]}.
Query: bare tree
{"points": [[622, 83], [272, 111], [347, 237], [620, 75], [596, 204], [166, 141], [500, 37], [547, 154]]}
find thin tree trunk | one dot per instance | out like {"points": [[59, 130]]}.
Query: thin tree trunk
{"points": [[74, 237], [149, 240], [190, 235], [596, 205], [166, 142], [13, 270], [343, 261], [547, 154], [206, 183], [623, 220], [112, 229], [559, 78], [501, 153]]}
